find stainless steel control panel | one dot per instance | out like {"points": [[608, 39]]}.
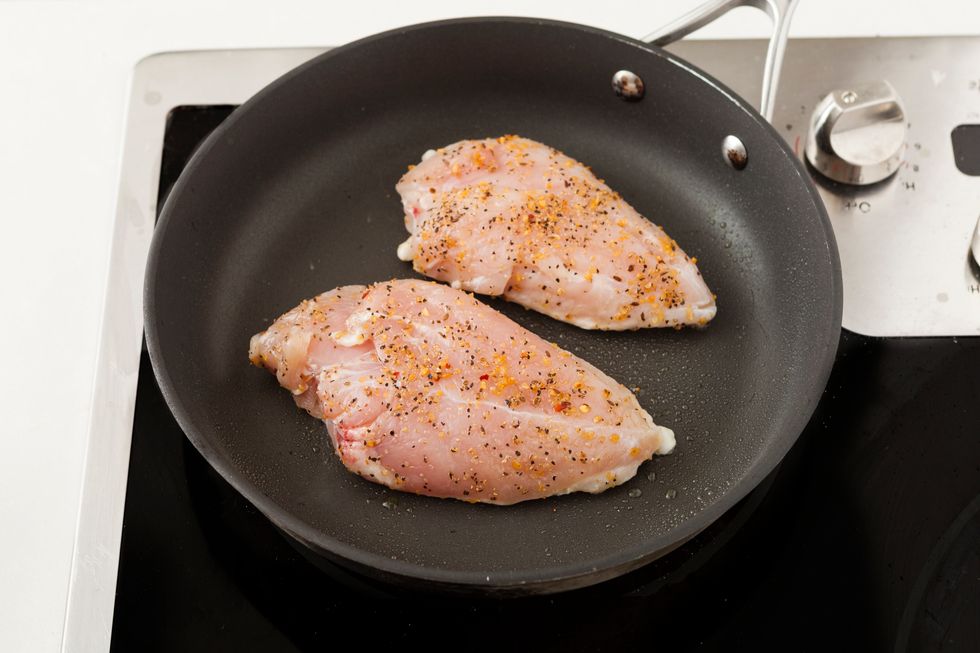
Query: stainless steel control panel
{"points": [[906, 240]]}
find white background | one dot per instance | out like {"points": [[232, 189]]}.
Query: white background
{"points": [[64, 73]]}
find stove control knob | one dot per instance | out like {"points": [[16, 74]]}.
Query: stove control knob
{"points": [[975, 244], [857, 134]]}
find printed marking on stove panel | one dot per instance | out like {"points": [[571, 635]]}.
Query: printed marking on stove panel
{"points": [[863, 206]]}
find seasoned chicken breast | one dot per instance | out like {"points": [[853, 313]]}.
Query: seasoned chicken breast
{"points": [[513, 217], [425, 389]]}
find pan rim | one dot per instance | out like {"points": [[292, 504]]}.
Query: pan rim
{"points": [[542, 579]]}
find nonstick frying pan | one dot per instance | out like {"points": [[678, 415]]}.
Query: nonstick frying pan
{"points": [[294, 195]]}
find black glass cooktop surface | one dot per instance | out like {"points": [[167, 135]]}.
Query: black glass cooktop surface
{"points": [[867, 537]]}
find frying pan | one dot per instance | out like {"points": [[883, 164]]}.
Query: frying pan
{"points": [[294, 195]]}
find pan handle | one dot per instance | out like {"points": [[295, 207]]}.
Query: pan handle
{"points": [[780, 11]]}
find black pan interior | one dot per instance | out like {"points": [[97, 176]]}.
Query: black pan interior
{"points": [[295, 195]]}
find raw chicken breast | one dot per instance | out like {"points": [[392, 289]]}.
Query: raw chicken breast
{"points": [[425, 389], [512, 217]]}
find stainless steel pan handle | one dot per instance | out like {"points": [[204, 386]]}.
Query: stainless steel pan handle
{"points": [[780, 11]]}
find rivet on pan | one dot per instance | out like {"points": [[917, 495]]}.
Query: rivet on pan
{"points": [[734, 152], [628, 85]]}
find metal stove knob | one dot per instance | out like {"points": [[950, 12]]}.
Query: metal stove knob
{"points": [[857, 134], [975, 244]]}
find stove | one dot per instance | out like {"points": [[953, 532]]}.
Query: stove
{"points": [[866, 536]]}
